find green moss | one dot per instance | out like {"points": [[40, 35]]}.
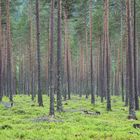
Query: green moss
{"points": [[17, 123]]}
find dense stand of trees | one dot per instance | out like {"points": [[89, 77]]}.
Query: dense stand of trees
{"points": [[88, 48]]}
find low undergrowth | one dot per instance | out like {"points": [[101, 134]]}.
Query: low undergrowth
{"points": [[27, 121]]}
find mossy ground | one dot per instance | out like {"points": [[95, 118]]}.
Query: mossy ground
{"points": [[20, 121]]}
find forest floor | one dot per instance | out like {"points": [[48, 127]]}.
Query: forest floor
{"points": [[26, 121]]}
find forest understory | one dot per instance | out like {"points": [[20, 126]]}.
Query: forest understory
{"points": [[27, 121]]}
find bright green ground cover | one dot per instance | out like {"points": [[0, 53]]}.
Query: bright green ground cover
{"points": [[21, 122]]}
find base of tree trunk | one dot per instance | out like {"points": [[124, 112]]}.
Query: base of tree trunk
{"points": [[136, 126], [12, 104], [60, 110], [130, 117], [41, 105], [51, 116], [86, 96], [109, 109]]}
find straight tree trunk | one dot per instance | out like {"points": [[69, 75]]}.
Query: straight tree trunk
{"points": [[87, 60], [101, 71], [51, 60], [40, 101], [91, 56], [67, 58], [106, 47], [9, 45], [0, 54], [59, 59], [132, 114], [122, 54], [68, 73], [30, 51], [127, 71], [135, 62], [97, 72]]}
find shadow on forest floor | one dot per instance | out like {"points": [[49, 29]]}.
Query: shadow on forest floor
{"points": [[6, 104]]}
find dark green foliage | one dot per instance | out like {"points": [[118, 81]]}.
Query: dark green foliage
{"points": [[5, 127]]}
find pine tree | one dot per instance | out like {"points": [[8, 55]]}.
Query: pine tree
{"points": [[40, 101], [51, 60], [59, 59]]}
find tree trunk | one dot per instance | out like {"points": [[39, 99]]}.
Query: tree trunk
{"points": [[59, 68], [0, 55], [106, 47], [135, 62], [9, 45], [40, 101], [91, 56], [122, 54], [51, 60], [132, 114]]}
